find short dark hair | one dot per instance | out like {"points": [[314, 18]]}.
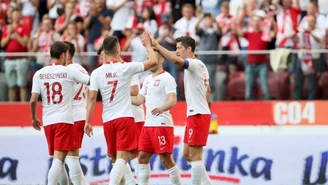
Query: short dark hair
{"points": [[187, 41], [110, 44], [71, 49], [100, 50], [57, 49]]}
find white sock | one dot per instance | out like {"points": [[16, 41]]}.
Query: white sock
{"points": [[117, 172], [135, 165], [75, 170], [63, 179], [205, 178], [175, 175], [129, 179], [144, 174], [55, 172], [196, 172]]}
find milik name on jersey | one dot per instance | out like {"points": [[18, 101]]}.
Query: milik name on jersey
{"points": [[111, 75], [53, 75]]}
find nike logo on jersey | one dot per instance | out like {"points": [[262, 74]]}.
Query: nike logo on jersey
{"points": [[162, 148]]}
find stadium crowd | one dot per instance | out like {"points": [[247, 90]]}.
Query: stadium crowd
{"points": [[216, 25]]}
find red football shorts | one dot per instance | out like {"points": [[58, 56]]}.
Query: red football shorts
{"points": [[59, 137], [78, 133], [156, 140], [119, 135], [138, 128], [197, 129]]}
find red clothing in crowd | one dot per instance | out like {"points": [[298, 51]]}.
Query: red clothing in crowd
{"points": [[256, 43]]}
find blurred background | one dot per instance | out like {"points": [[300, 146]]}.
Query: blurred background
{"points": [[267, 61]]}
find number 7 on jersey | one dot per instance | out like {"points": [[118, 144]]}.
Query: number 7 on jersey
{"points": [[114, 83]]}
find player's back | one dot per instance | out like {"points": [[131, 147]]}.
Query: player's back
{"points": [[196, 81], [80, 92], [114, 81], [55, 84]]}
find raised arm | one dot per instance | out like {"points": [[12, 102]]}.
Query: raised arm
{"points": [[152, 59], [166, 53]]}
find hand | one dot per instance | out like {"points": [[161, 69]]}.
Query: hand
{"points": [[88, 129], [146, 40], [153, 41], [157, 111], [93, 11], [36, 124], [101, 18], [11, 28]]}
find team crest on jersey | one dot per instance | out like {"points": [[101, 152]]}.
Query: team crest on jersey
{"points": [[156, 83]]}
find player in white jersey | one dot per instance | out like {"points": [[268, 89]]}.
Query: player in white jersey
{"points": [[79, 111], [138, 114], [139, 118], [197, 93], [113, 79], [54, 84], [157, 135]]}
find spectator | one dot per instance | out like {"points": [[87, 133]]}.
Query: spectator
{"points": [[15, 39], [105, 32], [304, 6], [4, 5], [309, 64], [98, 17], [125, 42], [43, 40], [161, 7], [63, 21], [140, 5], [9, 13], [82, 7], [209, 6], [71, 34], [228, 41], [287, 21], [79, 25], [257, 64], [53, 7], [186, 25], [150, 23], [122, 9], [312, 9], [30, 14], [209, 33]]}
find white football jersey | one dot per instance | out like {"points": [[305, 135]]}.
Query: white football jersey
{"points": [[114, 82], [80, 92], [196, 80], [54, 83], [138, 112], [156, 90]]}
